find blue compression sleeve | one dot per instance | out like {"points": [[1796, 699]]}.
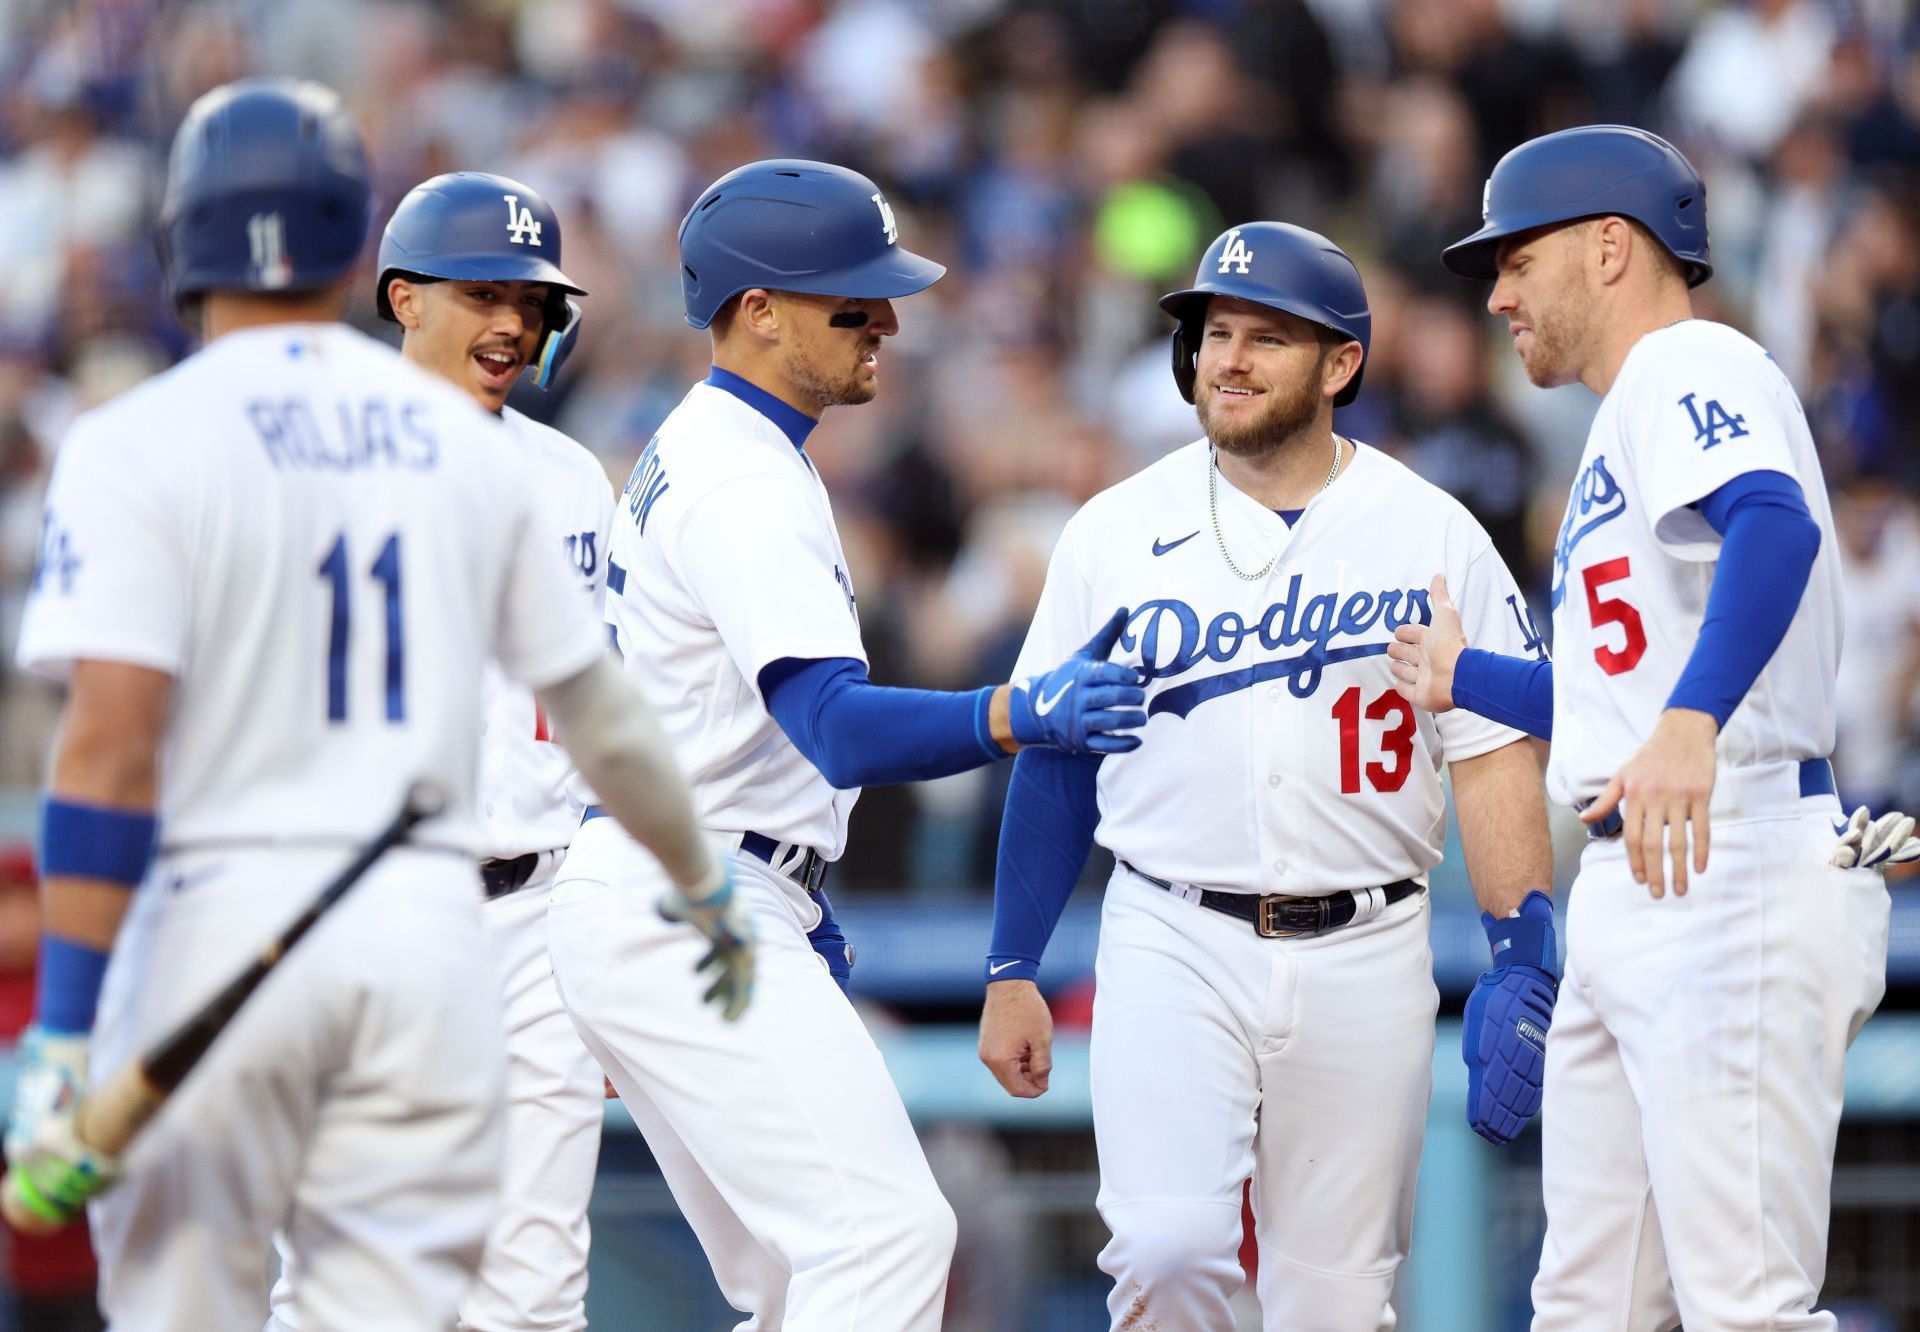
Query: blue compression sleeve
{"points": [[1515, 691], [858, 733], [1045, 835], [1768, 543]]}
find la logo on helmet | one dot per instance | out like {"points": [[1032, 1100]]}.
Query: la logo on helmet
{"points": [[522, 229], [1236, 256], [886, 220]]}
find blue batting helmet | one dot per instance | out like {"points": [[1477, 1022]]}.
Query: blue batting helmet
{"points": [[483, 228], [1279, 265], [266, 191], [1592, 171], [789, 225]]}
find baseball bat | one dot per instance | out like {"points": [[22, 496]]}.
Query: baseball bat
{"points": [[110, 1118]]}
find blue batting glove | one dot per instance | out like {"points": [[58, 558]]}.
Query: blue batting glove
{"points": [[831, 943], [1080, 704], [1504, 1035]]}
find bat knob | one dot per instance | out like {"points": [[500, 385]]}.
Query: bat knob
{"points": [[425, 800], [21, 1217]]}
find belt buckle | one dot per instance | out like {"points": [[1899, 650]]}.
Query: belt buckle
{"points": [[813, 871], [1284, 917]]}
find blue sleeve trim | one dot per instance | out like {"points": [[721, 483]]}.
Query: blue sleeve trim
{"points": [[859, 734], [67, 990], [1046, 833], [95, 841], [1514, 691], [1767, 548]]}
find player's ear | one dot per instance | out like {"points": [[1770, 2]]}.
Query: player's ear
{"points": [[1611, 243], [405, 298], [758, 314], [1339, 368]]}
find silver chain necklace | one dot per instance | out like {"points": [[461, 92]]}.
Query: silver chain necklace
{"points": [[1213, 507]]}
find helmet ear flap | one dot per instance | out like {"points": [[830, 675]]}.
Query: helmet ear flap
{"points": [[563, 330], [1186, 358]]}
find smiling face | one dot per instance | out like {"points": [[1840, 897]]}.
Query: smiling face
{"points": [[479, 335], [1263, 376], [1543, 292]]}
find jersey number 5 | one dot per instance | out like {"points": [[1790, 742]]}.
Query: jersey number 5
{"points": [[339, 575], [1396, 742], [1613, 610]]}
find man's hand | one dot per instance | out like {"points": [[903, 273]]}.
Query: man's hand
{"points": [[722, 919], [1080, 704], [1871, 843], [1016, 1037], [1424, 654], [1503, 1035], [1664, 787], [52, 1173]]}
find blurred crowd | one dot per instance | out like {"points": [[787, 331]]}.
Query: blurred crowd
{"points": [[1069, 160]]}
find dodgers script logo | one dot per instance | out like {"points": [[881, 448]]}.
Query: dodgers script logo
{"points": [[1172, 642], [1596, 500]]}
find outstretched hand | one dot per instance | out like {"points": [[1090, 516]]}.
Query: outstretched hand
{"points": [[1424, 654], [1082, 704]]}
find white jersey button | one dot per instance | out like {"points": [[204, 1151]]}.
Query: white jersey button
{"points": [[1274, 779], [1279, 867]]}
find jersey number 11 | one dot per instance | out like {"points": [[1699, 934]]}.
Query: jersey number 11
{"points": [[386, 571]]}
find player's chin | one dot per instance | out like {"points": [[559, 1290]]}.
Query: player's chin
{"points": [[862, 387]]}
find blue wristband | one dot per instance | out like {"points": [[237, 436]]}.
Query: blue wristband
{"points": [[68, 990], [95, 841]]}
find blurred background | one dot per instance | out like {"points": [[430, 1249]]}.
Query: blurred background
{"points": [[1069, 160]]}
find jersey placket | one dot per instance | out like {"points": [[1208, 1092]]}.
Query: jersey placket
{"points": [[1275, 720]]}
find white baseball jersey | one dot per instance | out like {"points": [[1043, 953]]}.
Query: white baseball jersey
{"points": [[1695, 405], [524, 802], [276, 523], [724, 558], [1277, 756]]}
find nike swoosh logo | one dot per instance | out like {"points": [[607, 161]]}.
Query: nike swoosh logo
{"points": [[1043, 705], [994, 969], [1840, 829], [1162, 547]]}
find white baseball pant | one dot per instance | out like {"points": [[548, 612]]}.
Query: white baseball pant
{"points": [[355, 1099], [533, 1274], [1694, 1076], [788, 1114], [1304, 1063]]}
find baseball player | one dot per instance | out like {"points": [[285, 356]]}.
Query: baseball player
{"points": [[269, 579], [782, 1137], [1265, 1002], [470, 268], [1693, 1077]]}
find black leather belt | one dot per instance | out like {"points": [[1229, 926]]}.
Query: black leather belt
{"points": [[1282, 916], [508, 876], [1816, 778], [809, 870]]}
